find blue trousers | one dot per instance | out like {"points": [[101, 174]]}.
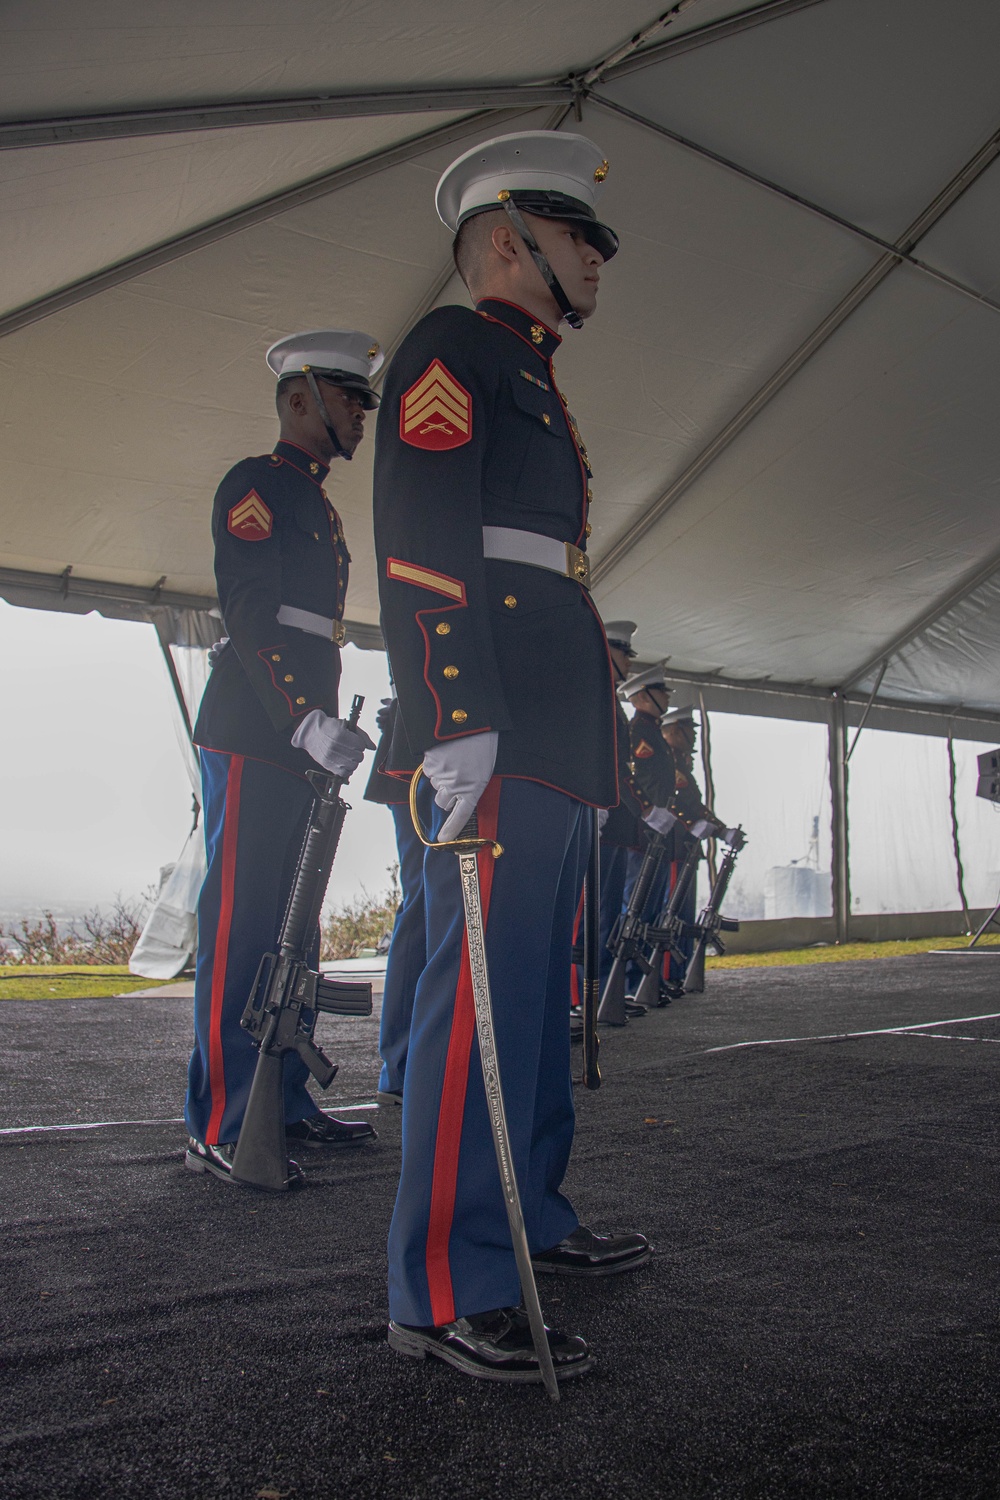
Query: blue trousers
{"points": [[408, 950], [449, 1244], [254, 817]]}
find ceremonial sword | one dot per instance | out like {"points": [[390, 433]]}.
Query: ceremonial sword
{"points": [[467, 848]]}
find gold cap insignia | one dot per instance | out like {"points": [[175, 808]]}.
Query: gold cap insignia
{"points": [[373, 351], [537, 333], [503, 195], [601, 172]]}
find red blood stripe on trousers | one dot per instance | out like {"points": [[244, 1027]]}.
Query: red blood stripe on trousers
{"points": [[574, 978], [670, 891], [230, 836], [451, 1113]]}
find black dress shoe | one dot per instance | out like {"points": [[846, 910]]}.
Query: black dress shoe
{"points": [[218, 1160], [633, 1008], [493, 1346], [584, 1253], [323, 1130], [390, 1096], [671, 989]]}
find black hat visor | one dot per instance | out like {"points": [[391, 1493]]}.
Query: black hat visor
{"points": [[561, 206], [356, 384]]}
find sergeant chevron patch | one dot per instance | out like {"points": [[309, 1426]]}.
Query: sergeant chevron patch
{"points": [[250, 519], [436, 412]]}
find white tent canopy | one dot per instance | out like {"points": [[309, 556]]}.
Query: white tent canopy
{"points": [[787, 393]]}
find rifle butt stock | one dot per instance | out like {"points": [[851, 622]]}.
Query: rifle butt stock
{"points": [[261, 1156]]}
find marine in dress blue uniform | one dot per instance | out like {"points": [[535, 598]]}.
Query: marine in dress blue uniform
{"points": [[408, 948], [679, 731], [268, 715], [652, 779], [506, 695], [622, 829]]}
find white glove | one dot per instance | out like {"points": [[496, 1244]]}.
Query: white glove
{"points": [[330, 743], [702, 829], [732, 835], [459, 772], [603, 813], [659, 819]]}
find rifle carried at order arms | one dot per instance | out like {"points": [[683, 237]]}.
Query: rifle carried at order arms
{"points": [[627, 940], [664, 935], [712, 922], [288, 995]]}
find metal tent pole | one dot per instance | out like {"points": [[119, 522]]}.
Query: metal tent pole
{"points": [[838, 800], [952, 778]]}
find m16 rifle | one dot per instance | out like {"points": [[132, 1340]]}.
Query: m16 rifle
{"points": [[288, 995], [711, 922], [665, 934], [627, 940]]}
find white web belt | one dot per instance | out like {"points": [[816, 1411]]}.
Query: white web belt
{"points": [[537, 551], [304, 619]]}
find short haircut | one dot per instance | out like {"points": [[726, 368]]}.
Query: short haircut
{"points": [[473, 246], [284, 388]]}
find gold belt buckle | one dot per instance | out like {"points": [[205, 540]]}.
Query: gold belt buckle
{"points": [[339, 634], [577, 565]]}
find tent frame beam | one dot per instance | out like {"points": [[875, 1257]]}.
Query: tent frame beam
{"points": [[956, 595], [255, 213], [18, 135], [862, 289]]}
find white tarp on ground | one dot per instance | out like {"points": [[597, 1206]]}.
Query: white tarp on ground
{"points": [[793, 433]]}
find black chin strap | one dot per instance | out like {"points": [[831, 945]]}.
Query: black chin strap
{"points": [[565, 306], [338, 446]]}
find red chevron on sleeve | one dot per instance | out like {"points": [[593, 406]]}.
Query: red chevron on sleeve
{"points": [[250, 519], [436, 412]]}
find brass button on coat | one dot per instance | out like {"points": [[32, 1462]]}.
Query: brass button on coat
{"points": [[443, 628], [459, 716], [510, 601], [300, 700], [289, 677], [275, 657], [451, 673]]}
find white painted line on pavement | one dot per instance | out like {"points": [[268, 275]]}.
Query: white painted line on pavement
{"points": [[120, 1124], [842, 1036]]}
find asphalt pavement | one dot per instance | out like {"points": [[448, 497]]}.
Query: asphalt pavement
{"points": [[820, 1317]]}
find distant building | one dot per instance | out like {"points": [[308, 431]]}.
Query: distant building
{"points": [[797, 891]]}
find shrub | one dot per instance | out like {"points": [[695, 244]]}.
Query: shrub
{"points": [[363, 922], [105, 938]]}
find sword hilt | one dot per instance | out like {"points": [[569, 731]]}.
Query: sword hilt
{"points": [[469, 839]]}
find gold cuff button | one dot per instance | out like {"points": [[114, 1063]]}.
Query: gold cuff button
{"points": [[451, 673], [276, 657], [300, 700], [443, 628], [289, 677], [510, 601], [459, 716], [546, 419]]}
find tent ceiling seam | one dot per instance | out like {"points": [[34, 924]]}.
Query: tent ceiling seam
{"points": [[827, 214], [259, 212], [955, 596], [17, 135], [714, 31], [872, 278]]}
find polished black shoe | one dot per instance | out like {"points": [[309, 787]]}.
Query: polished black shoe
{"points": [[584, 1253], [633, 1008], [323, 1130], [390, 1096], [493, 1346], [575, 1032], [218, 1160], [671, 989]]}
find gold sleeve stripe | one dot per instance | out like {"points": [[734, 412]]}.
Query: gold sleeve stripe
{"points": [[425, 578]]}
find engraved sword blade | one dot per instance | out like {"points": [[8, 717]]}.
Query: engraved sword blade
{"points": [[469, 868]]}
